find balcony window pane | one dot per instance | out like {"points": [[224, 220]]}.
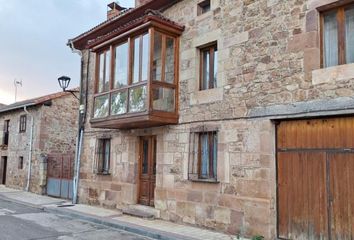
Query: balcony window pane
{"points": [[119, 103], [164, 99], [330, 36], [349, 30], [121, 66], [136, 60], [108, 71], [206, 69], [215, 67], [170, 60], [137, 99], [101, 106], [145, 60], [101, 73], [157, 60]]}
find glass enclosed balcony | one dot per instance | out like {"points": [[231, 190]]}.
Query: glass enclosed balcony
{"points": [[137, 81]]}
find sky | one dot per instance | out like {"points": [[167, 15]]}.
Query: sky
{"points": [[33, 41]]}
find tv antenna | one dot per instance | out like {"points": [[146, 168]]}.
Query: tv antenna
{"points": [[17, 83]]}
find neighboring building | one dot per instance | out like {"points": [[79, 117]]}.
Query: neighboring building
{"points": [[230, 115], [2, 105], [52, 122]]}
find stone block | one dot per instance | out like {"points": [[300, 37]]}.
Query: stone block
{"points": [[312, 20], [222, 215], [116, 187], [302, 41], [194, 196], [333, 74], [207, 96], [236, 39]]}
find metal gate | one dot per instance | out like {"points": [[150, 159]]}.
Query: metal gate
{"points": [[60, 171], [316, 179]]}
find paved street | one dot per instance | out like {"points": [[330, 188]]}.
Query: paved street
{"points": [[19, 222]]}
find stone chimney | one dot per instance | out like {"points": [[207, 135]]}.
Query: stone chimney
{"points": [[114, 9], [138, 3]]}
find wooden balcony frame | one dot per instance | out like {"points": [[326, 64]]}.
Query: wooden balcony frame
{"points": [[149, 117]]}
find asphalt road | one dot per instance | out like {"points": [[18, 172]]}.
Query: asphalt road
{"points": [[19, 222]]}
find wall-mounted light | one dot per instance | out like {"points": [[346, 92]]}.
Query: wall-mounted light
{"points": [[64, 82]]}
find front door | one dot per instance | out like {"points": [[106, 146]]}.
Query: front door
{"points": [[147, 170], [3, 166], [60, 172]]}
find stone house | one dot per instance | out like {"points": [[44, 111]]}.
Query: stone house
{"points": [[233, 115], [32, 131]]}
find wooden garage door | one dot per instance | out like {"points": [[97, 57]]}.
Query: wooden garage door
{"points": [[316, 179]]}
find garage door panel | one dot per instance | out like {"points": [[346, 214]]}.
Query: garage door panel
{"points": [[316, 134], [342, 188], [301, 178]]}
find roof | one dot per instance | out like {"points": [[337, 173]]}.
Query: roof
{"points": [[33, 101], [125, 17], [148, 16]]}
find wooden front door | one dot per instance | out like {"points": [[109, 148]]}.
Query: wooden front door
{"points": [[3, 167], [147, 169], [315, 166]]}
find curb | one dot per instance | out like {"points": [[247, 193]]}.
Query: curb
{"points": [[7, 199], [128, 227]]}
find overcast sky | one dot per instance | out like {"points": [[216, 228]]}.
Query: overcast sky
{"points": [[33, 41]]}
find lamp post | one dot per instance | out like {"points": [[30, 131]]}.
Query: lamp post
{"points": [[64, 82]]}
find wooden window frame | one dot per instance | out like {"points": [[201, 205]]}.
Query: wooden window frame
{"points": [[149, 83], [202, 7], [101, 154], [23, 123], [195, 155], [211, 48], [6, 133], [340, 11], [20, 163]]}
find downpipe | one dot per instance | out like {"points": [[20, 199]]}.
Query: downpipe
{"points": [[82, 116], [30, 150]]}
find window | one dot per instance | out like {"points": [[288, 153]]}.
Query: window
{"points": [[104, 71], [23, 120], [208, 67], [6, 132], [203, 156], [103, 156], [129, 91], [20, 162], [338, 36], [203, 7]]}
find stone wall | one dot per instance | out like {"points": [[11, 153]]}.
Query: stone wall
{"points": [[19, 146], [55, 131], [268, 66]]}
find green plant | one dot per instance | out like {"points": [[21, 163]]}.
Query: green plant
{"points": [[257, 237]]}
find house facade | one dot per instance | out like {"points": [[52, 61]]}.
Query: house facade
{"points": [[35, 133], [229, 115]]}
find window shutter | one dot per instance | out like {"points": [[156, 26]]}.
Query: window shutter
{"points": [[193, 156], [95, 158]]}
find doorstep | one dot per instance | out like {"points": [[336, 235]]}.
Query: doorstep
{"points": [[142, 211]]}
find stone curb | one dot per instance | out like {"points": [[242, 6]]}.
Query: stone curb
{"points": [[7, 199], [132, 228]]}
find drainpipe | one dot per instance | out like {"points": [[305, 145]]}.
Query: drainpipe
{"points": [[30, 150], [79, 140]]}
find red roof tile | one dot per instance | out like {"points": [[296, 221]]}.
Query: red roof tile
{"points": [[125, 17]]}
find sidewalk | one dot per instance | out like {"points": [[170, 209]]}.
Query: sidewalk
{"points": [[155, 229]]}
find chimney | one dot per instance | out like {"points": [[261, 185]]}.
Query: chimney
{"points": [[138, 3], [114, 9]]}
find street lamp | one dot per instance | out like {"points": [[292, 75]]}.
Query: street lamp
{"points": [[64, 83]]}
